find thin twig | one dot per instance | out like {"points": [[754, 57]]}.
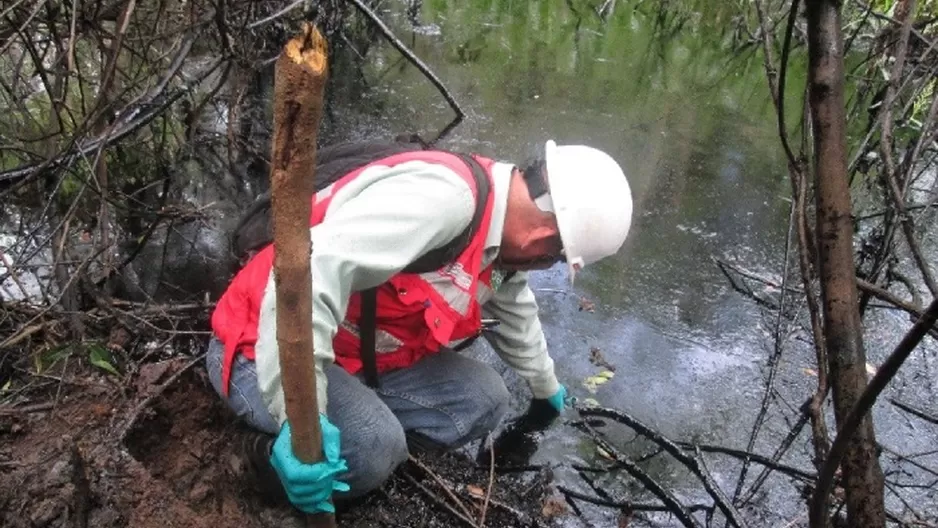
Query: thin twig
{"points": [[914, 411], [276, 15], [11, 272], [673, 504], [883, 295], [131, 120], [27, 326], [27, 409], [404, 50], [9, 42], [488, 491], [439, 502], [439, 480], [801, 474], [895, 188], [692, 463], [774, 359], [924, 138], [783, 69], [155, 393], [779, 452], [625, 504], [908, 460]]}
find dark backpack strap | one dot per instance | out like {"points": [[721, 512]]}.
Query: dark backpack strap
{"points": [[443, 255], [254, 229], [432, 260], [367, 327]]}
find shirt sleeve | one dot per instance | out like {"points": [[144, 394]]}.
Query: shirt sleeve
{"points": [[363, 241], [519, 339]]}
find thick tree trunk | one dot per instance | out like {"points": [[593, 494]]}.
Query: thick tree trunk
{"points": [[299, 84], [863, 477]]}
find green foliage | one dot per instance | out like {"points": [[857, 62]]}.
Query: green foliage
{"points": [[97, 355], [101, 357], [48, 358]]}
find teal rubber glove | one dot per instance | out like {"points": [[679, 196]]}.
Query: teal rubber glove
{"points": [[310, 486], [559, 400]]}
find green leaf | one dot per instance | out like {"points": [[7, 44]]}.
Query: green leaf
{"points": [[102, 358], [46, 359]]}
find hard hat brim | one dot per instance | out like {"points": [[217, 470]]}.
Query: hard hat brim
{"points": [[561, 211]]}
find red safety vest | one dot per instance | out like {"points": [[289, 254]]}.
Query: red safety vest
{"points": [[416, 313]]}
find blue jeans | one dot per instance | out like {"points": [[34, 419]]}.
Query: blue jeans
{"points": [[448, 398]]}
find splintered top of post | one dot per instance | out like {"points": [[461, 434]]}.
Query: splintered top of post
{"points": [[308, 48]]}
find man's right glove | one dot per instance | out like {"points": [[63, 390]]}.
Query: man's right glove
{"points": [[310, 486]]}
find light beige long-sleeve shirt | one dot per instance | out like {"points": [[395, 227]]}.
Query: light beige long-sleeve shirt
{"points": [[378, 224]]}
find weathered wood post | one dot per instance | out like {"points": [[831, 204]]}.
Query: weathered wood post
{"points": [[299, 82]]}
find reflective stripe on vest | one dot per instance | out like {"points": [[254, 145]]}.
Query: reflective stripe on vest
{"points": [[417, 313]]}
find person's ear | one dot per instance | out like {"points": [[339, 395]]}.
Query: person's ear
{"points": [[540, 234]]}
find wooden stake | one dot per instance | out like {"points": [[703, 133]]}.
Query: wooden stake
{"points": [[299, 82]]}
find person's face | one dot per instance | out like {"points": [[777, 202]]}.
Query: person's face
{"points": [[530, 237], [537, 249]]}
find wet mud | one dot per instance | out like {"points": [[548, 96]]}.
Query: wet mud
{"points": [[163, 452]]}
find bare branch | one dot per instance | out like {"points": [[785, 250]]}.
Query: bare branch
{"points": [[404, 50], [691, 462], [275, 16]]}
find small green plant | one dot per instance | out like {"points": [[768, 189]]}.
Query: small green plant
{"points": [[100, 357], [46, 359]]}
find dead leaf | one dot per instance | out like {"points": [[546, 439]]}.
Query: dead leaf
{"points": [[586, 304], [151, 374], [597, 358], [625, 518], [809, 372], [553, 506], [100, 410], [605, 454], [118, 339], [475, 491], [871, 370]]}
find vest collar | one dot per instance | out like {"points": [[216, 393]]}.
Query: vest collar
{"points": [[501, 179]]}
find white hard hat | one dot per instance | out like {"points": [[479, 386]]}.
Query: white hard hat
{"points": [[592, 201]]}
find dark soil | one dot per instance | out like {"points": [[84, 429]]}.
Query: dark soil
{"points": [[160, 450]]}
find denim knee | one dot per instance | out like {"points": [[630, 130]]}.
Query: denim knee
{"points": [[371, 437], [493, 404], [371, 461], [244, 397]]}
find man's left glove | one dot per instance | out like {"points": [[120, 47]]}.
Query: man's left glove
{"points": [[309, 486]]}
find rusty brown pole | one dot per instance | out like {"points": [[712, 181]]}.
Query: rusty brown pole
{"points": [[299, 83]]}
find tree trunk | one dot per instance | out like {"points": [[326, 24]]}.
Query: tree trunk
{"points": [[299, 84], [863, 477]]}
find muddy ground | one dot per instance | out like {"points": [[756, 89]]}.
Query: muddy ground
{"points": [[158, 449]]}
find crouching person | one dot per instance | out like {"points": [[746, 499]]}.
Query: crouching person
{"points": [[412, 250]]}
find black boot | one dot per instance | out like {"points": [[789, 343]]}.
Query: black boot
{"points": [[520, 438], [256, 448], [420, 444]]}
